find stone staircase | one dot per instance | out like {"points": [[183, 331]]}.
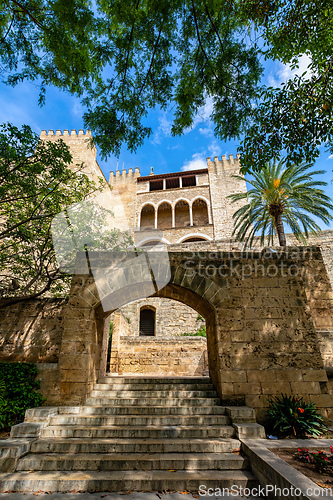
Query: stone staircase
{"points": [[134, 434]]}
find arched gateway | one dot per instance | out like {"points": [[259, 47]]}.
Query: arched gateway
{"points": [[261, 311]]}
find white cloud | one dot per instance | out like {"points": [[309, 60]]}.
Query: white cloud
{"points": [[164, 129], [330, 157], [197, 162], [207, 132], [77, 109], [284, 71], [203, 114], [214, 149]]}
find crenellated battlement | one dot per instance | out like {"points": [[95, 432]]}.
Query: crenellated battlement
{"points": [[124, 176], [225, 162], [73, 133]]}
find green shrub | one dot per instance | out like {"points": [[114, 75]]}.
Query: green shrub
{"points": [[291, 415], [20, 392], [200, 333], [2, 390]]}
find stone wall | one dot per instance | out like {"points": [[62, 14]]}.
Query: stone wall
{"points": [[324, 241], [32, 331], [121, 327], [164, 354], [49, 377], [125, 184], [152, 356], [221, 185], [325, 339], [172, 318], [174, 235]]}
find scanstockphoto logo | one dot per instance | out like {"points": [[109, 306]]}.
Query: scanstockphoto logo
{"points": [[99, 229], [253, 263], [267, 491]]}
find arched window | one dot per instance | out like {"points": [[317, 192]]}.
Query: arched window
{"points": [[147, 322], [182, 213], [193, 239], [164, 216], [200, 213], [147, 216], [150, 243]]}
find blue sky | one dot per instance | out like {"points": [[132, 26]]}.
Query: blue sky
{"points": [[19, 105]]}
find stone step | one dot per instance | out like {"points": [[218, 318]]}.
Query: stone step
{"points": [[138, 420], [150, 387], [123, 480], [152, 394], [153, 380], [138, 432], [141, 410], [153, 401], [135, 445], [132, 461]]}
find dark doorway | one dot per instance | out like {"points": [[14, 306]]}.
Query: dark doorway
{"points": [[147, 322]]}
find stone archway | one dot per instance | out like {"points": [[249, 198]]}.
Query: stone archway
{"points": [[259, 309]]}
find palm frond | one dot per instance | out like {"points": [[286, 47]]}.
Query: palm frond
{"points": [[292, 188]]}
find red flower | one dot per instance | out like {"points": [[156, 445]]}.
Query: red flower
{"points": [[301, 410]]}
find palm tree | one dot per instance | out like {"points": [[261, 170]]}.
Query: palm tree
{"points": [[281, 195]]}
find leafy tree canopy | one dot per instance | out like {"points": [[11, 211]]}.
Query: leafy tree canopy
{"points": [[36, 184], [297, 117], [127, 57]]}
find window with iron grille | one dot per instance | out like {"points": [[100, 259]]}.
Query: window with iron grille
{"points": [[147, 322]]}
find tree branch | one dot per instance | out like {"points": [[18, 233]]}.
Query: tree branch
{"points": [[203, 50], [24, 9], [10, 27], [128, 51], [151, 61]]}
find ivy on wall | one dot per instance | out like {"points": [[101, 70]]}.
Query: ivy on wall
{"points": [[20, 392]]}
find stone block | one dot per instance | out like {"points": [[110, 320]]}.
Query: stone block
{"points": [[289, 375], [249, 431], [27, 429], [256, 401], [261, 376], [322, 400], [247, 388], [74, 361], [244, 335], [315, 376], [227, 389], [300, 388], [276, 388], [233, 376], [39, 414]]}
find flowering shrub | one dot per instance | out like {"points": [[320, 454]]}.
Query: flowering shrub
{"points": [[291, 415], [320, 460]]}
